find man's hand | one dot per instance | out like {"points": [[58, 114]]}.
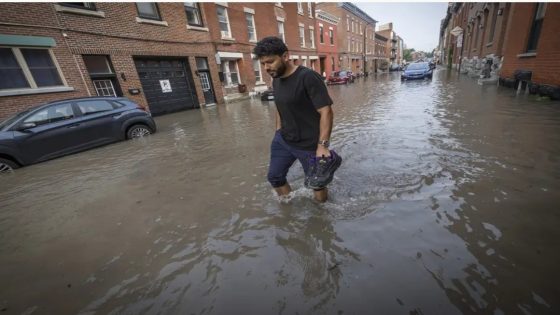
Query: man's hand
{"points": [[321, 150]]}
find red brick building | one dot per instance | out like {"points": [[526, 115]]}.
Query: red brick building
{"points": [[511, 41], [298, 19], [122, 49], [327, 48], [532, 42], [355, 32]]}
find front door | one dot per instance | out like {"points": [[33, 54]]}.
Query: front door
{"points": [[205, 80]]}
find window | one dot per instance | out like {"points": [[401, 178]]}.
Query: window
{"points": [[250, 18], [361, 30], [331, 36], [281, 30], [278, 4], [42, 68], [321, 35], [257, 70], [332, 63], [148, 10], [536, 27], [223, 21], [80, 5], [102, 75], [494, 20], [93, 107], [299, 8], [51, 114], [11, 74], [312, 36], [302, 36], [98, 64], [229, 68], [192, 10], [104, 87], [28, 68], [348, 45], [304, 63], [309, 9], [347, 23]]}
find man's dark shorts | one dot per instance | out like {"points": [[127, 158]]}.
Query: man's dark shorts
{"points": [[282, 157]]}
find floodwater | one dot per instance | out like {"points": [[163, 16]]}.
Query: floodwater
{"points": [[447, 202]]}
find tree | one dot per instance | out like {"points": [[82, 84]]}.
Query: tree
{"points": [[407, 54]]}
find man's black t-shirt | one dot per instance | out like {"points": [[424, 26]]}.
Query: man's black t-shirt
{"points": [[297, 99]]}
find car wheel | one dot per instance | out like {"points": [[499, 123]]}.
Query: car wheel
{"points": [[138, 131], [7, 166]]}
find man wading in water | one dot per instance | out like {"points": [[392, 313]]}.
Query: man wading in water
{"points": [[304, 121]]}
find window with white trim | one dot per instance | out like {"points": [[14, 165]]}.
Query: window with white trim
{"points": [[223, 20], [28, 68], [299, 8], [251, 31], [309, 9], [331, 36], [148, 10], [231, 72], [347, 23], [281, 30], [79, 5], [257, 70], [321, 39], [312, 36], [302, 36], [192, 9]]}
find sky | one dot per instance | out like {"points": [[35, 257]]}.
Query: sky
{"points": [[416, 23]]}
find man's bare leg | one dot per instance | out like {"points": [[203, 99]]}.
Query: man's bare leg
{"points": [[321, 195], [283, 190]]}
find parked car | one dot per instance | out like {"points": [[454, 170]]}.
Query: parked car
{"points": [[418, 70], [394, 67], [67, 126], [341, 77], [267, 95]]}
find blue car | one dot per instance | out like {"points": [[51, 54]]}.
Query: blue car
{"points": [[418, 70], [67, 126]]}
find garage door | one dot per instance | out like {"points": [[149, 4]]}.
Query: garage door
{"points": [[167, 84]]}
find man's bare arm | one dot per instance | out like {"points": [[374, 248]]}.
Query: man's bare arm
{"points": [[325, 128]]}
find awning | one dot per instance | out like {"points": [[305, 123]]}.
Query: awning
{"points": [[18, 40], [230, 55]]}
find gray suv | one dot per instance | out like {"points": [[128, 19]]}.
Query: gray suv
{"points": [[68, 126]]}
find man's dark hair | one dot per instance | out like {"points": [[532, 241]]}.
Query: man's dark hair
{"points": [[268, 46]]}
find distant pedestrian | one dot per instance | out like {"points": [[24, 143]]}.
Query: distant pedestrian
{"points": [[304, 121]]}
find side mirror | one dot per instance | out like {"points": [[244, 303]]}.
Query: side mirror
{"points": [[25, 126]]}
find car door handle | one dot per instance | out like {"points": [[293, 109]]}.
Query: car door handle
{"points": [[73, 126]]}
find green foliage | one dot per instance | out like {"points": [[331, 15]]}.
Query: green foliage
{"points": [[407, 54]]}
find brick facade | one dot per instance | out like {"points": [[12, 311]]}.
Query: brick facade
{"points": [[544, 63], [118, 34], [353, 38], [327, 49]]}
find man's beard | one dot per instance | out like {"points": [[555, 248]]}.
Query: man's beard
{"points": [[279, 72]]}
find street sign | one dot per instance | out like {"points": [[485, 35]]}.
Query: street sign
{"points": [[165, 86], [456, 31], [460, 41]]}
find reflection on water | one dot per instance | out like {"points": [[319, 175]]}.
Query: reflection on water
{"points": [[446, 203]]}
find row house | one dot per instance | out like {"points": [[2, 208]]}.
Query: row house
{"points": [[355, 33], [164, 56], [327, 48], [380, 53], [157, 54], [386, 30], [510, 42]]}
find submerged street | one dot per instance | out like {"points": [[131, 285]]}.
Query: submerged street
{"points": [[446, 203]]}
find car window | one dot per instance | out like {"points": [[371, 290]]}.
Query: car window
{"points": [[12, 119], [94, 106], [51, 114], [342, 73]]}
